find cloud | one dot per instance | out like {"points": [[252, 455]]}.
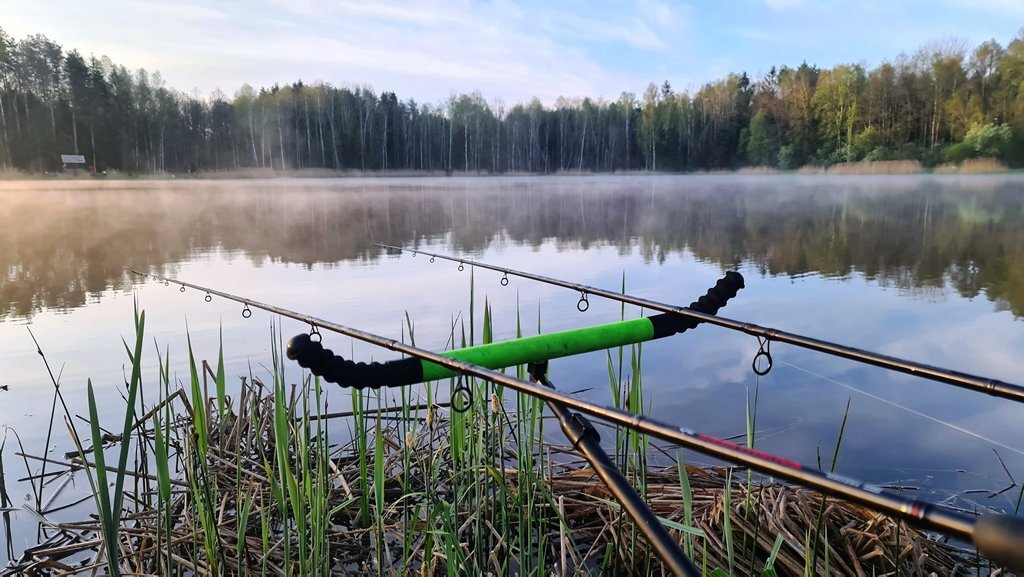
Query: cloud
{"points": [[783, 4], [991, 351], [439, 47], [1005, 8], [426, 50], [511, 49], [504, 47]]}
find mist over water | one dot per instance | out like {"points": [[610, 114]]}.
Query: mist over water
{"points": [[929, 268], [64, 241]]}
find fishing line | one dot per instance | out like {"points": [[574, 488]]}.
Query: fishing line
{"points": [[907, 409]]}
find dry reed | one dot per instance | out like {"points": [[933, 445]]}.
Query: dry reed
{"points": [[584, 527], [877, 167]]}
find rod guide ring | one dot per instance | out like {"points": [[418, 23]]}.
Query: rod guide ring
{"points": [[462, 391], [764, 351], [583, 303]]}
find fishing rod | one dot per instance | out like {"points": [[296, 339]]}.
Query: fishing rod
{"points": [[994, 387], [997, 536]]}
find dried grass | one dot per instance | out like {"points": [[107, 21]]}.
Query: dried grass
{"points": [[972, 166], [757, 170], [877, 167], [596, 534]]}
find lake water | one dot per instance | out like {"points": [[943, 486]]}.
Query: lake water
{"points": [[922, 267]]}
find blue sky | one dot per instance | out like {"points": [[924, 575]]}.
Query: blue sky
{"points": [[509, 50]]}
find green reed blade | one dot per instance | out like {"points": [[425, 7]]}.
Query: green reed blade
{"points": [[842, 430], [198, 401], [488, 331], [265, 534], [129, 417], [472, 305], [242, 525], [107, 518], [289, 489], [378, 486], [687, 494], [821, 506], [769, 565], [163, 473]]}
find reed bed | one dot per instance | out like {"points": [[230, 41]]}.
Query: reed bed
{"points": [[758, 170], [877, 167], [397, 504], [972, 166]]}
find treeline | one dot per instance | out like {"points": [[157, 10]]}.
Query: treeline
{"points": [[942, 104]]}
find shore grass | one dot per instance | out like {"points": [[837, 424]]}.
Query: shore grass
{"points": [[423, 521], [254, 485]]}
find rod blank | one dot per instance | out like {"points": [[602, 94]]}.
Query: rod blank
{"points": [[585, 439], [985, 385]]}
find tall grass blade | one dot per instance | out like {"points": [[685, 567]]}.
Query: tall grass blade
{"points": [[378, 489], [163, 475], [129, 416], [198, 402], [687, 494], [769, 565], [107, 519], [221, 384], [821, 507]]}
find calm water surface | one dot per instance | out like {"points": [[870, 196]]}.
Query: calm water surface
{"points": [[929, 268]]}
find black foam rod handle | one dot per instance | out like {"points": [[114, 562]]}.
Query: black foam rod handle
{"points": [[1000, 538], [668, 324], [324, 363]]}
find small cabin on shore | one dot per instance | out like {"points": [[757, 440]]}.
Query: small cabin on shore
{"points": [[72, 163]]}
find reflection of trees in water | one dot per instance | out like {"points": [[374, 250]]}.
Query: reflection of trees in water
{"points": [[60, 245]]}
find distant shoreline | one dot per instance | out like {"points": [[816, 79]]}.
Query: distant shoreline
{"points": [[893, 167]]}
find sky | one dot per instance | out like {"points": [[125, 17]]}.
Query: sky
{"points": [[513, 51]]}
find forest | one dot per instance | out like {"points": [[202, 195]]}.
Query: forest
{"points": [[944, 103]]}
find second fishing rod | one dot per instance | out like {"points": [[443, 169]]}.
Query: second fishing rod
{"points": [[766, 335]]}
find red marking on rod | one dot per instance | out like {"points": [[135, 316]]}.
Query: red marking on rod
{"points": [[752, 452]]}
